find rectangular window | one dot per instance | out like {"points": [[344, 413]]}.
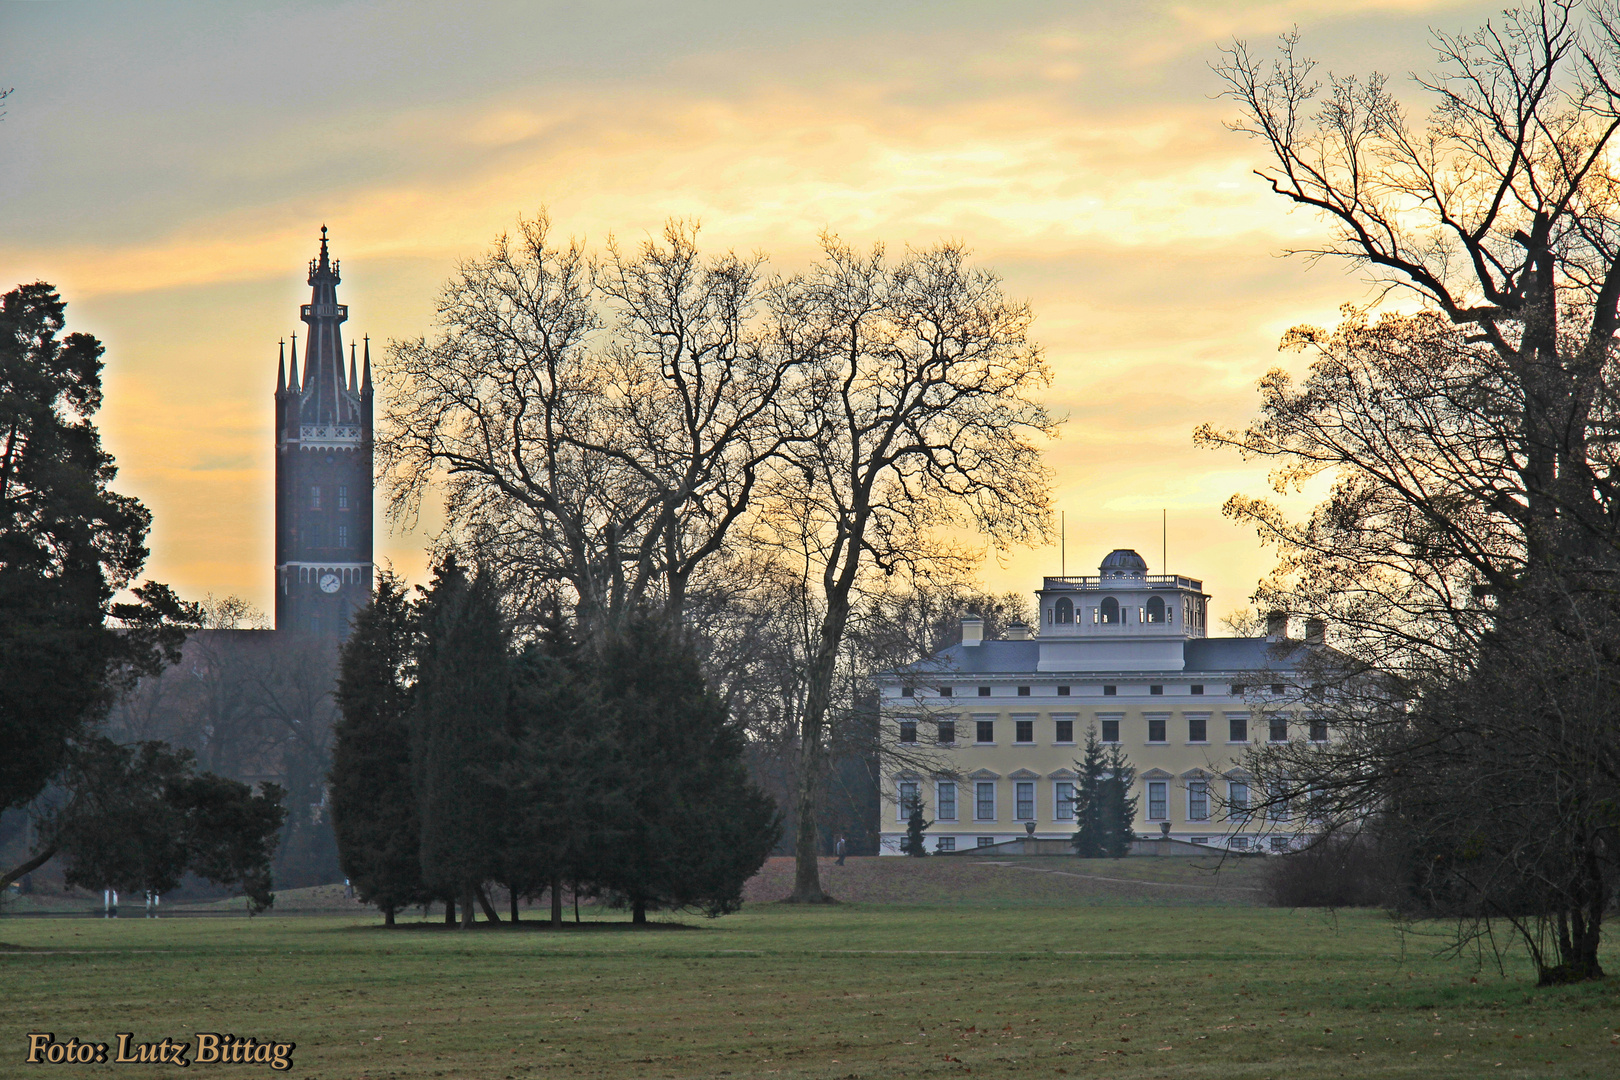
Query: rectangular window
{"points": [[910, 797], [1110, 731], [908, 731], [1063, 803], [1198, 800], [1110, 691], [1158, 800], [987, 841], [984, 731], [1279, 843], [1200, 839], [1277, 797], [907, 691], [1278, 688], [984, 691], [1237, 728], [343, 536], [1238, 689], [1065, 730], [1024, 731], [1279, 729], [945, 843], [343, 497], [945, 800], [1156, 726], [1239, 843], [1198, 729], [1023, 691], [1026, 800], [945, 691], [1063, 691], [1319, 731], [1237, 801], [315, 498], [1197, 689], [947, 732], [312, 536], [1156, 690], [984, 800]]}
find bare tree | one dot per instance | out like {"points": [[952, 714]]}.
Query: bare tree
{"points": [[1469, 550], [916, 417], [601, 429]]}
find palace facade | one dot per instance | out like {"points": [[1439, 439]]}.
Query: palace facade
{"points": [[989, 730]]}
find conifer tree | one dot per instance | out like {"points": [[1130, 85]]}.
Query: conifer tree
{"points": [[684, 826], [458, 719], [1119, 805], [1090, 813], [914, 843], [374, 812]]}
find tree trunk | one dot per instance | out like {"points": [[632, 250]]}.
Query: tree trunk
{"points": [[388, 916], [813, 756], [638, 912], [513, 897], [556, 902], [449, 911], [483, 902], [28, 867], [467, 906]]}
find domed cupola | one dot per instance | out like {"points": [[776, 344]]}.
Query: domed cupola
{"points": [[1123, 565]]}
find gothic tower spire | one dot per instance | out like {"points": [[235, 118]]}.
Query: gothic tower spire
{"points": [[323, 472]]}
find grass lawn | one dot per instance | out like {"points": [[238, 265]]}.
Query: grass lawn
{"points": [[985, 983]]}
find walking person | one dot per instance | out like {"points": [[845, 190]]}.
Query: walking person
{"points": [[840, 849]]}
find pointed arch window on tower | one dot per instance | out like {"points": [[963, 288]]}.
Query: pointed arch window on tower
{"points": [[1154, 612], [1110, 610], [1063, 611]]}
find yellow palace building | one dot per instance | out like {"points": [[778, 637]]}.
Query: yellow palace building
{"points": [[986, 733]]}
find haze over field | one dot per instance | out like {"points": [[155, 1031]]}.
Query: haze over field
{"points": [[168, 166]]}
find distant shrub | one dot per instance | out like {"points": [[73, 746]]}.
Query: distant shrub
{"points": [[1333, 871]]}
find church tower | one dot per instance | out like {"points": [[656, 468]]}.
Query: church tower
{"points": [[323, 471]]}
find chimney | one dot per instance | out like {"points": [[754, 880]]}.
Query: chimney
{"points": [[1276, 626], [972, 630], [1017, 630], [1315, 632]]}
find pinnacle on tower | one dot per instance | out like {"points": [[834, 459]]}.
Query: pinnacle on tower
{"points": [[281, 368], [352, 384], [292, 384], [365, 385]]}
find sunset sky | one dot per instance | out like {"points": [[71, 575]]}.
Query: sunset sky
{"points": [[168, 167]]}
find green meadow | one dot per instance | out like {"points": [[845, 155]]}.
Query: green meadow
{"points": [[933, 968]]}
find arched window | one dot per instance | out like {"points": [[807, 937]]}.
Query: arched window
{"points": [[1110, 610], [1064, 610], [1155, 609]]}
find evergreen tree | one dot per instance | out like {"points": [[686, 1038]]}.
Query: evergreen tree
{"points": [[458, 721], [914, 843], [374, 813], [684, 826], [1090, 812], [1118, 804], [68, 545], [553, 779]]}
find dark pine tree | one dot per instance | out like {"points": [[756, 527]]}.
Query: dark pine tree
{"points": [[1091, 813], [553, 778], [683, 826], [1119, 805], [914, 843], [379, 834], [458, 721], [68, 545]]}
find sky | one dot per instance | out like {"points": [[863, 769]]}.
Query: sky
{"points": [[168, 167]]}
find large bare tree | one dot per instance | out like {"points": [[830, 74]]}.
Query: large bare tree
{"points": [[600, 428], [917, 416], [1469, 550]]}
